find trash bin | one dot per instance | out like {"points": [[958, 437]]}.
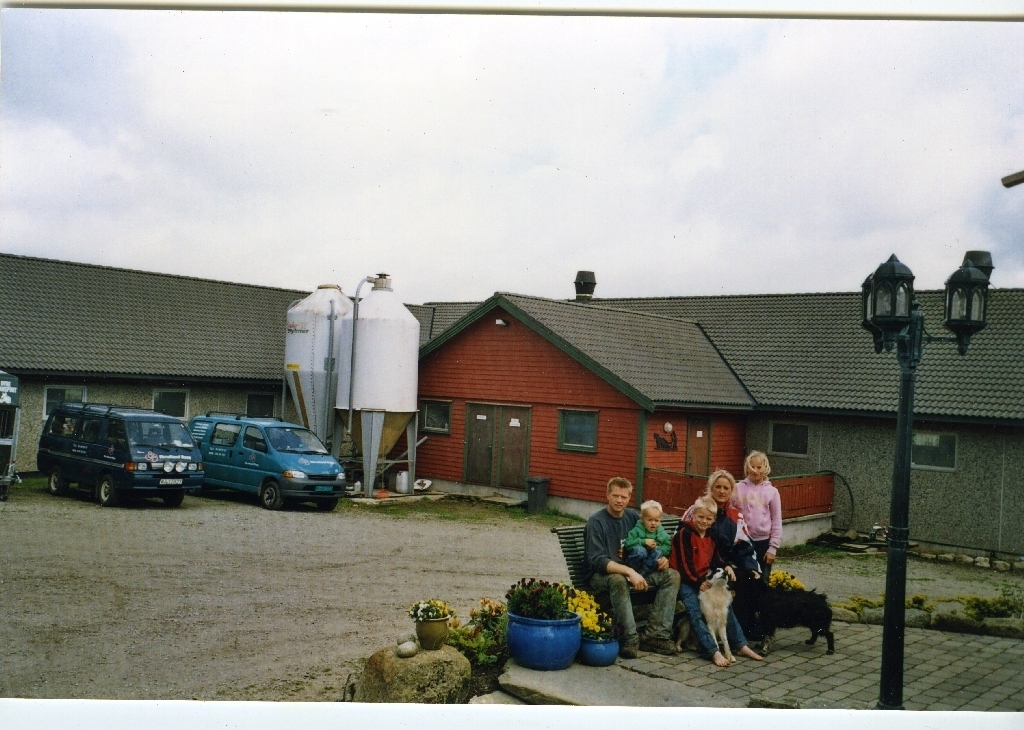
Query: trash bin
{"points": [[537, 494]]}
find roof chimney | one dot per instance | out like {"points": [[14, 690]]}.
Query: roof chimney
{"points": [[585, 283]]}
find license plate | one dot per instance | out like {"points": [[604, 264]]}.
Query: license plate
{"points": [[169, 481], [324, 489]]}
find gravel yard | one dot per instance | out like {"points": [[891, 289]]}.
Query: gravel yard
{"points": [[219, 599]]}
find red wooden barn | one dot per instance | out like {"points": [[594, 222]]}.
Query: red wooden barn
{"points": [[524, 386]]}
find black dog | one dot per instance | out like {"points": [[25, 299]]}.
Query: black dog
{"points": [[767, 609]]}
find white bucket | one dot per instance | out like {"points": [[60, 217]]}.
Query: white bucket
{"points": [[402, 482]]}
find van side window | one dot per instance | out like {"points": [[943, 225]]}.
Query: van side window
{"points": [[63, 425], [117, 435], [91, 430], [225, 434], [254, 439]]}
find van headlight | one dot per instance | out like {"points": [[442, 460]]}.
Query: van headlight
{"points": [[169, 466], [180, 467], [341, 476], [193, 466], [292, 474]]}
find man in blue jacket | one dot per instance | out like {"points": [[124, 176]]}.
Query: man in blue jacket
{"points": [[606, 571]]}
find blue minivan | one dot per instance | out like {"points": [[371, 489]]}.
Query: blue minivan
{"points": [[118, 451], [280, 461]]}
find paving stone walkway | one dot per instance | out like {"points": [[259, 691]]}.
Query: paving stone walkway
{"points": [[942, 671]]}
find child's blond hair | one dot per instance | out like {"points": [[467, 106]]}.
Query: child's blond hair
{"points": [[764, 458], [707, 504], [651, 506]]}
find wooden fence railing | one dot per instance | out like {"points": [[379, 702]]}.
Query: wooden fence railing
{"points": [[801, 494]]}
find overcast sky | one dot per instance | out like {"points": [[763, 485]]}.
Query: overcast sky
{"points": [[471, 154]]}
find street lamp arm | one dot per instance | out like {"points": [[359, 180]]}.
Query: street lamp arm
{"points": [[1015, 179]]}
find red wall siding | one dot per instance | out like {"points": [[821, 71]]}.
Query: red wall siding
{"points": [[728, 437], [513, 365], [676, 492], [674, 460], [728, 441]]}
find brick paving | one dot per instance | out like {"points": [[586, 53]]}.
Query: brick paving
{"points": [[941, 671]]}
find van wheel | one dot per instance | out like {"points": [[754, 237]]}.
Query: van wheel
{"points": [[327, 505], [174, 500], [57, 485], [270, 495], [107, 493]]}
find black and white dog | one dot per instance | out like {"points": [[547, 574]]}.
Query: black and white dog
{"points": [[761, 610]]}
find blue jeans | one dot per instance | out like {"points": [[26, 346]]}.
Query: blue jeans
{"points": [[709, 646], [643, 560]]}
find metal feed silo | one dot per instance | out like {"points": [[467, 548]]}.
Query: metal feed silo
{"points": [[384, 376], [319, 325]]}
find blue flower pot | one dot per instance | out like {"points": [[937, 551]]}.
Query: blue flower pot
{"points": [[541, 643], [598, 653]]}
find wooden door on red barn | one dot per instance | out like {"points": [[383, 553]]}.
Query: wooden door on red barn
{"points": [[698, 446], [497, 445]]}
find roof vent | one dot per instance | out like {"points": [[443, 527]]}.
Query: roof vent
{"points": [[382, 281], [585, 283]]}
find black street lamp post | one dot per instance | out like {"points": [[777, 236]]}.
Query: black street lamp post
{"points": [[894, 319]]}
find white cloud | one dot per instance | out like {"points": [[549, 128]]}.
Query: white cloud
{"points": [[466, 155]]}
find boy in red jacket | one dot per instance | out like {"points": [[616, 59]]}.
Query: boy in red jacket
{"points": [[694, 554]]}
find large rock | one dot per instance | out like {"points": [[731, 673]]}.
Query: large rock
{"points": [[873, 616], [843, 614], [949, 616], [431, 677], [1011, 628], [914, 618]]}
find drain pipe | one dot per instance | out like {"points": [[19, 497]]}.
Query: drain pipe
{"points": [[352, 368]]}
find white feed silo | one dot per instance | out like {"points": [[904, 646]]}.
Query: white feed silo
{"points": [[319, 325], [384, 375]]}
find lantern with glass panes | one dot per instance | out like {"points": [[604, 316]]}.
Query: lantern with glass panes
{"points": [[886, 298], [967, 298]]}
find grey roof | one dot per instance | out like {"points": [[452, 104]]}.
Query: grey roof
{"points": [[653, 359], [808, 351], [58, 316]]}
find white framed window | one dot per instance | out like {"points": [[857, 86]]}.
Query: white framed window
{"points": [[932, 450], [54, 394], [787, 439], [172, 402], [260, 405]]}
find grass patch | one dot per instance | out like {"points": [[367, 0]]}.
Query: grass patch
{"points": [[810, 551], [458, 508]]}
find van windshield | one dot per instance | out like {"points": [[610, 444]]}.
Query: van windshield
{"points": [[295, 440], [159, 434]]}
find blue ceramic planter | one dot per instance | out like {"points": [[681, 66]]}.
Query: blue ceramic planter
{"points": [[543, 644], [598, 653]]}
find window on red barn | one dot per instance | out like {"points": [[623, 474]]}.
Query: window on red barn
{"points": [[436, 416], [577, 430]]}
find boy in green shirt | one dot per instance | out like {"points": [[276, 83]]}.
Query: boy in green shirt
{"points": [[647, 541]]}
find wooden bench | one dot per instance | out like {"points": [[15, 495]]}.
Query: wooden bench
{"points": [[571, 541]]}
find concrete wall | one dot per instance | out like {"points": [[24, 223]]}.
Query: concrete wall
{"points": [[201, 398], [979, 504]]}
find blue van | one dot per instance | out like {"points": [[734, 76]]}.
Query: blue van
{"points": [[118, 451], [280, 461]]}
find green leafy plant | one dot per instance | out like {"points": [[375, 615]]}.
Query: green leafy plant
{"points": [[859, 603], [920, 602], [482, 640], [532, 598], [1009, 603]]}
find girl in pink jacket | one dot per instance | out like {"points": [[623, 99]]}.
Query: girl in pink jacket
{"points": [[759, 502]]}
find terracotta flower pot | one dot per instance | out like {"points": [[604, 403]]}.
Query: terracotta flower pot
{"points": [[432, 633]]}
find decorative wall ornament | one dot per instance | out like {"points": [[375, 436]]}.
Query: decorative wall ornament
{"points": [[667, 444]]}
